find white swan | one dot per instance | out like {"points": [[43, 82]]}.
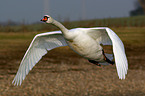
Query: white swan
{"points": [[84, 41]]}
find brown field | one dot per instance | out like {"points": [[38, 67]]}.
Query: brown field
{"points": [[64, 73]]}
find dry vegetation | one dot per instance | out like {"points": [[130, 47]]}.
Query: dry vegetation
{"points": [[64, 73]]}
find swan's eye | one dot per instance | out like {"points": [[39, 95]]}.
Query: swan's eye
{"points": [[45, 18]]}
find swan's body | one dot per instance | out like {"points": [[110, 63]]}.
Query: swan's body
{"points": [[84, 41], [85, 45]]}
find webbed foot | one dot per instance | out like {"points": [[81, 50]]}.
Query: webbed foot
{"points": [[94, 62], [107, 60]]}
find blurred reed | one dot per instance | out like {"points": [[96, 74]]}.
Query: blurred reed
{"points": [[136, 21]]}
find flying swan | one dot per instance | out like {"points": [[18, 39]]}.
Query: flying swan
{"points": [[84, 41]]}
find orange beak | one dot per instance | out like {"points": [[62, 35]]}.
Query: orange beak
{"points": [[44, 19]]}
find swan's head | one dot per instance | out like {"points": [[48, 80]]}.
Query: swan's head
{"points": [[47, 19]]}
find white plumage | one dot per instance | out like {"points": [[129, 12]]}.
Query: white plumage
{"points": [[84, 41]]}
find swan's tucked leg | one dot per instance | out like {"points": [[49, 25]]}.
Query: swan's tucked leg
{"points": [[106, 59], [94, 62]]}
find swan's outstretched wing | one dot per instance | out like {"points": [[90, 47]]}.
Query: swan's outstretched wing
{"points": [[38, 47], [106, 36]]}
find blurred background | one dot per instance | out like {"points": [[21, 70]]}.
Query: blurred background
{"points": [[61, 71], [18, 11]]}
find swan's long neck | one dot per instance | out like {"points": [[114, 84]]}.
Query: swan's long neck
{"points": [[61, 27]]}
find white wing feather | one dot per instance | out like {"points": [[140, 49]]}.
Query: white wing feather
{"points": [[106, 36], [100, 35], [119, 53], [38, 48]]}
